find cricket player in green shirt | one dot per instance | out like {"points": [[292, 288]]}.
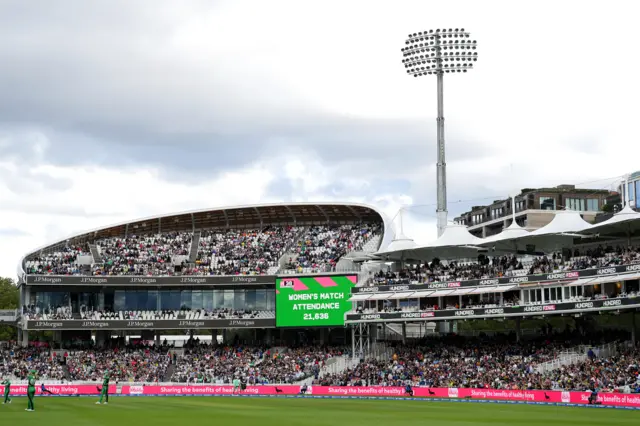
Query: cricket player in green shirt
{"points": [[7, 391], [236, 385], [31, 390], [105, 388]]}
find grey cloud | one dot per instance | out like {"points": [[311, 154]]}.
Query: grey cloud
{"points": [[99, 99], [24, 181], [103, 99]]}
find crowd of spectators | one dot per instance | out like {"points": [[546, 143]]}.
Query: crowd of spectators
{"points": [[450, 361], [253, 365], [486, 267], [128, 364], [142, 255], [321, 247], [66, 314], [232, 252], [246, 252], [32, 312], [62, 262], [495, 364], [17, 362]]}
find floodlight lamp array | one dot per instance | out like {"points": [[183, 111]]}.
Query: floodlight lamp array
{"points": [[439, 51]]}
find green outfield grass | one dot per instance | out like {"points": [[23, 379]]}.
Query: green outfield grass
{"points": [[239, 411]]}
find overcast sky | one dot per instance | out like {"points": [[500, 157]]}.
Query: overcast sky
{"points": [[113, 110]]}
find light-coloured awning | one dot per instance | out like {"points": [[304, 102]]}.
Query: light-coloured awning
{"points": [[422, 293], [614, 278], [440, 293], [359, 297], [461, 291], [581, 281], [403, 295], [380, 296], [503, 288], [481, 290]]}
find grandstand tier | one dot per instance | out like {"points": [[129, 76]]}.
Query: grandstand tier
{"points": [[247, 241], [596, 280]]}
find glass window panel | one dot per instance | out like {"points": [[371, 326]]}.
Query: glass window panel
{"points": [[106, 301], [130, 300], [152, 300], [271, 300], [164, 295], [592, 205], [207, 300], [250, 299], [228, 299], [238, 300], [547, 203], [218, 299], [173, 300], [631, 191], [143, 296], [185, 299], [119, 301], [196, 299], [261, 300], [637, 183]]}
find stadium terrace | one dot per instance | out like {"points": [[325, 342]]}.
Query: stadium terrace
{"points": [[328, 296]]}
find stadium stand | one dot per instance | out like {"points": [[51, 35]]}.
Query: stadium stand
{"points": [[452, 361], [17, 362], [34, 313], [231, 252], [254, 365], [247, 252], [437, 271], [129, 364], [61, 262], [142, 255], [321, 247], [494, 364]]}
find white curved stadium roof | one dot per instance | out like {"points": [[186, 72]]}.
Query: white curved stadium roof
{"points": [[626, 220], [564, 221], [512, 232]]}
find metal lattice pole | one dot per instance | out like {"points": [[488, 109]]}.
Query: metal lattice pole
{"points": [[439, 52]]}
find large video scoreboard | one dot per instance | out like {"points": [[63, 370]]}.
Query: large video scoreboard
{"points": [[314, 301]]}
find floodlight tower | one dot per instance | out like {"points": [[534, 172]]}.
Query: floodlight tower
{"points": [[438, 52]]}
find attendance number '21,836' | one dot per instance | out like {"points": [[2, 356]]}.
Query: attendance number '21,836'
{"points": [[318, 316]]}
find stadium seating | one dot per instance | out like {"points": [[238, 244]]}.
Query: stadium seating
{"points": [[320, 248], [438, 271], [16, 362], [232, 252], [450, 361], [61, 262], [481, 363], [247, 252], [142, 255], [255, 365], [65, 314], [130, 364]]}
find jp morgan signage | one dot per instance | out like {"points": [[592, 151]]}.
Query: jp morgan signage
{"points": [[150, 324], [149, 281], [512, 311], [525, 279]]}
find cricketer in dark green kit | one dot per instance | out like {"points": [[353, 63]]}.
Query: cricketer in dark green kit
{"points": [[31, 390], [7, 391], [105, 388]]}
